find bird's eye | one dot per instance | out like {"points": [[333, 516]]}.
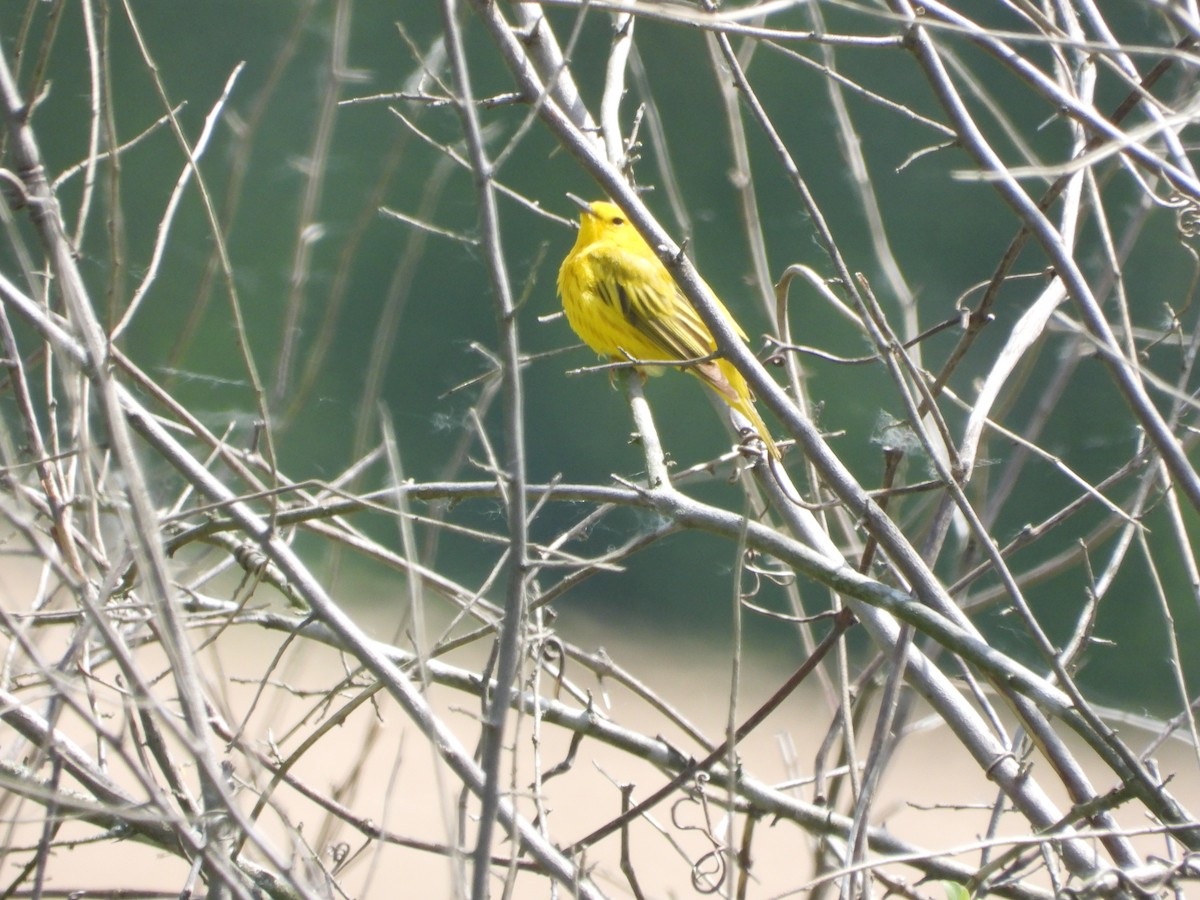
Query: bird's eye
{"points": [[617, 220]]}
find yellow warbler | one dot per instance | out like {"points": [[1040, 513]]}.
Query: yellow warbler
{"points": [[621, 300]]}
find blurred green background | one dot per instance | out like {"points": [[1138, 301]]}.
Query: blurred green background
{"points": [[947, 233]]}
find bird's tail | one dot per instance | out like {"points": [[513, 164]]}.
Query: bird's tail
{"points": [[729, 384]]}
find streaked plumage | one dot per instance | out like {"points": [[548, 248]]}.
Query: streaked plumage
{"points": [[618, 296]]}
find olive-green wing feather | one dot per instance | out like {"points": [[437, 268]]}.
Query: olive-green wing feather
{"points": [[649, 300], [641, 289]]}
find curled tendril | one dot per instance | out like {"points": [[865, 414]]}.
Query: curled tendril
{"points": [[1187, 215], [708, 870], [781, 576], [338, 853], [748, 593], [550, 650]]}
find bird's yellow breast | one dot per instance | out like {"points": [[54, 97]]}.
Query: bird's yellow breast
{"points": [[602, 293]]}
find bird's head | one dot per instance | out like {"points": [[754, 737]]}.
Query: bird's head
{"points": [[602, 220]]}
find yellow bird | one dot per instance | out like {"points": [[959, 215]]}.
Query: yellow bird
{"points": [[621, 300]]}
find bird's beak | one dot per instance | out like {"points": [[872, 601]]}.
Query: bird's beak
{"points": [[581, 203]]}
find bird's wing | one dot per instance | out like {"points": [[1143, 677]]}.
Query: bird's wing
{"points": [[647, 297]]}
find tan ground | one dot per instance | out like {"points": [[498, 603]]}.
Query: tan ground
{"points": [[403, 788]]}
